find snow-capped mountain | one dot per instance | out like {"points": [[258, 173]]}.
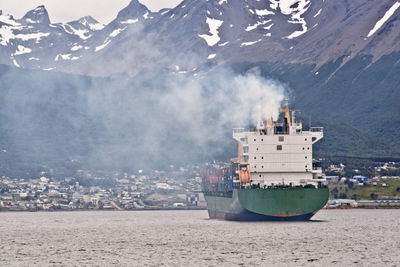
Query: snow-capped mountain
{"points": [[338, 59], [34, 42], [204, 31]]}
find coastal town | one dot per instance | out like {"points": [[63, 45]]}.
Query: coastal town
{"points": [[175, 188]]}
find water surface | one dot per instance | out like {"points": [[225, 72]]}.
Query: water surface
{"points": [[182, 238]]}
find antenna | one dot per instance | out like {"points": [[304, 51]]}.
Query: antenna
{"points": [[293, 116]]}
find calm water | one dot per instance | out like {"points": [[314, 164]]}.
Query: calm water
{"points": [[182, 238]]}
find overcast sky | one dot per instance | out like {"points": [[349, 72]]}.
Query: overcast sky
{"points": [[68, 10]]}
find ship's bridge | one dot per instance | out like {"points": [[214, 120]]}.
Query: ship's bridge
{"points": [[279, 152]]}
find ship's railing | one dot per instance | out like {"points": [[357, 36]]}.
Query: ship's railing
{"points": [[238, 130], [317, 129]]}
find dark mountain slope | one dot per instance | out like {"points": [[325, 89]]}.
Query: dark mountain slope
{"points": [[362, 93], [63, 122]]}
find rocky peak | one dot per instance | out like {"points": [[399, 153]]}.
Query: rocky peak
{"points": [[91, 23], [134, 10], [37, 15]]}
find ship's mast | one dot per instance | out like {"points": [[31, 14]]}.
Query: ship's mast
{"points": [[287, 112]]}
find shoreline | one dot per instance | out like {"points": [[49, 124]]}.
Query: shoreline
{"points": [[175, 209], [75, 210]]}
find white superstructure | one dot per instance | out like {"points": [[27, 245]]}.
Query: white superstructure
{"points": [[279, 153]]}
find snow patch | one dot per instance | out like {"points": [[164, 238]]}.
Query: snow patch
{"points": [[129, 21], [100, 47], [250, 43], [264, 12], [63, 57], [38, 36], [7, 33], [317, 14], [31, 21], [34, 58], [96, 26], [16, 63], [269, 26], [214, 25], [116, 32], [22, 50], [385, 17], [274, 4], [76, 47], [224, 44], [252, 27], [221, 2], [83, 34], [8, 20], [296, 14], [211, 56]]}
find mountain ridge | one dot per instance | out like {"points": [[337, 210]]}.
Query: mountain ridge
{"points": [[292, 31], [343, 72]]}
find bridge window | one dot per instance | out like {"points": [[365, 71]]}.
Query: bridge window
{"points": [[279, 147], [281, 138]]}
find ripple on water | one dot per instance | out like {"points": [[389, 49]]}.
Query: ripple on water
{"points": [[335, 237]]}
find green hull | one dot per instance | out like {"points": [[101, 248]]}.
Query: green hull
{"points": [[295, 203]]}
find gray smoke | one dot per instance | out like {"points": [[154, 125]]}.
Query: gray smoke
{"points": [[146, 121], [162, 118], [148, 117]]}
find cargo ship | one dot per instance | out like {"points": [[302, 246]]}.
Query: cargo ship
{"points": [[274, 176]]}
